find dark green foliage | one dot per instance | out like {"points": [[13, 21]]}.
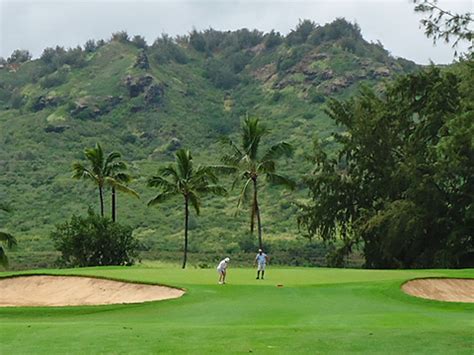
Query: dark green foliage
{"points": [[6, 240], [221, 74], [444, 25], [55, 58], [94, 241], [272, 39], [139, 42], [396, 188], [338, 29], [90, 46], [165, 50], [55, 79], [121, 36], [197, 41], [19, 56], [301, 33]]}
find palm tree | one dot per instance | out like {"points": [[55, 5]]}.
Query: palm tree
{"points": [[103, 172], [117, 179], [6, 241], [245, 161], [183, 179]]}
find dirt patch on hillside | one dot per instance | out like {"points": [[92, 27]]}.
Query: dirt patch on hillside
{"points": [[450, 290], [38, 290]]}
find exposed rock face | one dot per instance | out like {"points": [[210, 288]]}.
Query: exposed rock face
{"points": [[154, 94], [142, 61], [42, 102], [91, 108]]}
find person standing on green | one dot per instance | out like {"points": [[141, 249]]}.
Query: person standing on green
{"points": [[261, 261]]}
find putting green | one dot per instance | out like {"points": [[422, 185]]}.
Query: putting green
{"points": [[317, 310]]}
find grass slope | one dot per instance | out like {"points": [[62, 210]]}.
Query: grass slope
{"points": [[317, 311]]}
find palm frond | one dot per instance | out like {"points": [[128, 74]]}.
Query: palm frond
{"points": [[79, 171], [162, 197], [195, 201], [243, 193], [119, 186], [184, 163], [111, 157], [278, 150], [280, 180], [213, 189], [266, 166], [3, 258], [8, 239], [161, 182]]}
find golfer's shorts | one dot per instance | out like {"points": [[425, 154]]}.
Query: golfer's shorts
{"points": [[261, 267]]}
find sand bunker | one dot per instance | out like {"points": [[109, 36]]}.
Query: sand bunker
{"points": [[450, 290], [77, 291]]}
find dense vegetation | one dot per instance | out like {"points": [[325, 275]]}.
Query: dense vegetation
{"points": [[148, 101], [402, 185], [94, 241]]}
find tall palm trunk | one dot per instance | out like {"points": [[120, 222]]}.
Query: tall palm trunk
{"points": [[257, 213], [113, 204], [101, 198], [186, 220]]}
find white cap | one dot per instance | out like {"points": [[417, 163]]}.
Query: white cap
{"points": [[226, 260]]}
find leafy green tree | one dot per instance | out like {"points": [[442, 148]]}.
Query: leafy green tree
{"points": [[444, 25], [401, 186], [245, 161], [19, 56], [6, 241], [104, 172], [183, 179], [94, 241]]}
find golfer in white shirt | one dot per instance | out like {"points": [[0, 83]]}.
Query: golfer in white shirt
{"points": [[261, 260], [222, 270]]}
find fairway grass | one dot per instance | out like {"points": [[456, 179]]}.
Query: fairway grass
{"points": [[318, 310]]}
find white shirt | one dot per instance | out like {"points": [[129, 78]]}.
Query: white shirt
{"points": [[261, 258], [222, 266]]}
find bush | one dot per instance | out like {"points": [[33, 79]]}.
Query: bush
{"points": [[121, 36], [272, 39], [19, 56], [139, 42], [166, 50], [94, 241], [55, 79]]}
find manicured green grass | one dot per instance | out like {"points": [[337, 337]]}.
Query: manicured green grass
{"points": [[317, 311]]}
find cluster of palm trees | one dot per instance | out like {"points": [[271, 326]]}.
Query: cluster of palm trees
{"points": [[191, 182]]}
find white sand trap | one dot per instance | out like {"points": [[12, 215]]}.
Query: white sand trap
{"points": [[450, 290], [77, 291]]}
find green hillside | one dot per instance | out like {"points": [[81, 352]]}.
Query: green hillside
{"points": [[148, 102]]}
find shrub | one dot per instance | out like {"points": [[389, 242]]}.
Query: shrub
{"points": [[94, 241], [19, 56], [139, 42], [272, 39], [121, 36]]}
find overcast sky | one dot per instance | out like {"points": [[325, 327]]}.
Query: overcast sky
{"points": [[36, 24]]}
